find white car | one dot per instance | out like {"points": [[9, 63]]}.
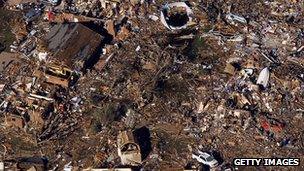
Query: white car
{"points": [[205, 158]]}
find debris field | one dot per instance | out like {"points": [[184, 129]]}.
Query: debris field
{"points": [[144, 85]]}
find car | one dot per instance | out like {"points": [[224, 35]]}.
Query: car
{"points": [[205, 158]]}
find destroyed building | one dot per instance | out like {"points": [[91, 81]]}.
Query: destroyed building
{"points": [[73, 45], [128, 149], [57, 75]]}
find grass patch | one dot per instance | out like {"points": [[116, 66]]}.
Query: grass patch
{"points": [[105, 115], [20, 145], [6, 35]]}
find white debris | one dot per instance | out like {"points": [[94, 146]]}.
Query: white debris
{"points": [[263, 77], [1, 166], [247, 72], [42, 56], [200, 107], [137, 48], [153, 17], [104, 51], [166, 8], [232, 18], [68, 167], [2, 87]]}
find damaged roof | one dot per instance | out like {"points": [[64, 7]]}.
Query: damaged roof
{"points": [[72, 42]]}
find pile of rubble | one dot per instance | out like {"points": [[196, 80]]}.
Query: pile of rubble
{"points": [[151, 85]]}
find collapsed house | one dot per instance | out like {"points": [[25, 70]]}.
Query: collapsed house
{"points": [[58, 75], [73, 45], [128, 150]]}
